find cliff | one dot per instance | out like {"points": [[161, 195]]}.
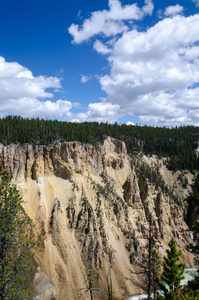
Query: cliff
{"points": [[78, 195]]}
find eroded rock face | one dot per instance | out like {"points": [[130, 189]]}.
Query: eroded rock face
{"points": [[80, 196]]}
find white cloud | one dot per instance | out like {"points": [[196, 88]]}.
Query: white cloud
{"points": [[24, 94], [151, 72], [148, 7], [17, 81], [130, 123], [32, 107], [21, 93], [85, 78], [99, 112], [170, 11], [196, 2], [173, 10], [101, 48], [109, 22]]}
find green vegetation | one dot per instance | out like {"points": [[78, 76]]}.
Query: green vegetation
{"points": [[148, 264], [15, 242], [109, 292], [191, 296], [153, 177], [193, 201], [162, 280], [172, 274], [177, 144], [90, 280]]}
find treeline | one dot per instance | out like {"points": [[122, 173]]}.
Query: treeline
{"points": [[178, 143]]}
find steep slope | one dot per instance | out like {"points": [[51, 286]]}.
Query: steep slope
{"points": [[82, 197]]}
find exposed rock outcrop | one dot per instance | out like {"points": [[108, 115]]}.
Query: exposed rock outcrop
{"points": [[80, 196]]}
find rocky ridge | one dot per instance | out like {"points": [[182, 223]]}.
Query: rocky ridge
{"points": [[82, 197]]}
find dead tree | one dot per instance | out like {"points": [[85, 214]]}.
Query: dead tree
{"points": [[148, 264], [109, 285], [89, 283]]}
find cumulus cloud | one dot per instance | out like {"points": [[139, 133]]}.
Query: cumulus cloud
{"points": [[99, 112], [170, 11], [152, 72], [173, 10], [109, 22], [130, 123], [101, 48], [22, 93]]}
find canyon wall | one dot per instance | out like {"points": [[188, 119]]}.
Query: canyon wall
{"points": [[86, 199]]}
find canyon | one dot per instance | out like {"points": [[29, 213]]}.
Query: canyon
{"points": [[87, 199]]}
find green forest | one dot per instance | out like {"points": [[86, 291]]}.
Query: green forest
{"points": [[177, 143]]}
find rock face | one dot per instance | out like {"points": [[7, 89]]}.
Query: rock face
{"points": [[84, 199]]}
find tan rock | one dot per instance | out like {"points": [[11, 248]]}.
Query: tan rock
{"points": [[73, 192]]}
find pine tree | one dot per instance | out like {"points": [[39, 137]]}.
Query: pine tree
{"points": [[172, 273], [15, 242]]}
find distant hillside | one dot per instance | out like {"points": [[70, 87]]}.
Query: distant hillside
{"points": [[179, 144]]}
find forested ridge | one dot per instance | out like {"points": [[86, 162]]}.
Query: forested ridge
{"points": [[177, 143]]}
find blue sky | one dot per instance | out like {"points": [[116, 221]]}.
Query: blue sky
{"points": [[100, 60]]}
